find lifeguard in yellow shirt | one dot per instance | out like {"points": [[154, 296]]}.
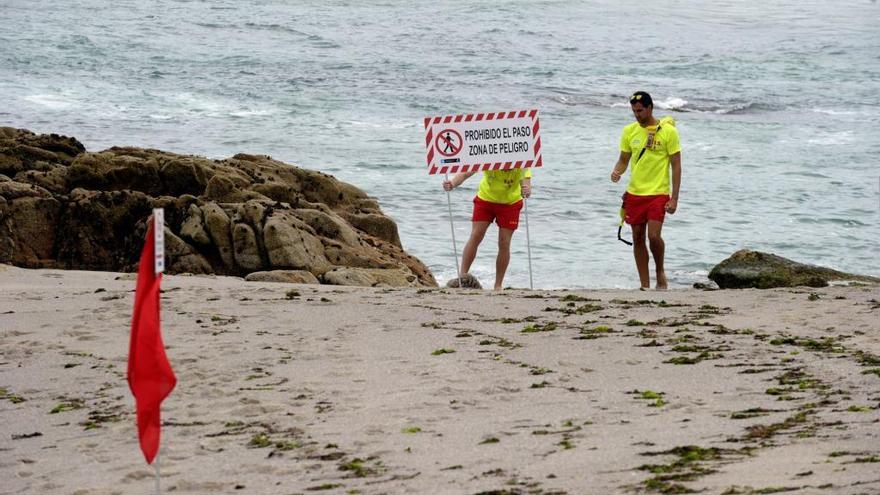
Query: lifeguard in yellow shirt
{"points": [[650, 148], [499, 198]]}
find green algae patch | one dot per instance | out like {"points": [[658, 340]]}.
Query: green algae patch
{"points": [[508, 321], [441, 351], [690, 348], [873, 458], [412, 429], [572, 308], [873, 371], [686, 467], [97, 419], [13, 398], [500, 342], [577, 298], [858, 409], [286, 445], [753, 412], [685, 360], [756, 432], [259, 441], [595, 333], [867, 359], [67, 406], [536, 328], [825, 344], [357, 468], [325, 486], [655, 398]]}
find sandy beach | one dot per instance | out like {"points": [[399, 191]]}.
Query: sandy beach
{"points": [[286, 389]]}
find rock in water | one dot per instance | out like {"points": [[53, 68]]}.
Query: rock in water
{"points": [[466, 282], [64, 207], [754, 269]]}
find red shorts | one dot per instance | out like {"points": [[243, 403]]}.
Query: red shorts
{"points": [[640, 209], [507, 216]]}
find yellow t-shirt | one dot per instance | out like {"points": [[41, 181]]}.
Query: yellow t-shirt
{"points": [[650, 175], [503, 186]]}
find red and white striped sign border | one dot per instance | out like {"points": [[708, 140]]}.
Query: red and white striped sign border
{"points": [[452, 169]]}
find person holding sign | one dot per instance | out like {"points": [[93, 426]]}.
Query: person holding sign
{"points": [[651, 147], [499, 198]]}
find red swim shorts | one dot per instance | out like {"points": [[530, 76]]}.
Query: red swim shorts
{"points": [[507, 216], [640, 209]]}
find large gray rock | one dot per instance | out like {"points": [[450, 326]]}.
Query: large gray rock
{"points": [[183, 257], [64, 207], [754, 269], [290, 243], [219, 229], [27, 230], [247, 253], [371, 277], [283, 276], [193, 228]]}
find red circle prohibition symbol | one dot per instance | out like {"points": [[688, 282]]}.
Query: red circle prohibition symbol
{"points": [[448, 142]]}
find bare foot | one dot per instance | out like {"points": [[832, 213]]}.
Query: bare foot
{"points": [[661, 281]]}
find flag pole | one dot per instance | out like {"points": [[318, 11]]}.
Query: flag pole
{"points": [[158, 268], [452, 227], [528, 244], [158, 474]]}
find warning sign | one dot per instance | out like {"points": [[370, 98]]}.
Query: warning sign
{"points": [[448, 142], [483, 141]]}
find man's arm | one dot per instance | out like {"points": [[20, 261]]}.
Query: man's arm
{"points": [[457, 179], [620, 166], [526, 187], [672, 204]]}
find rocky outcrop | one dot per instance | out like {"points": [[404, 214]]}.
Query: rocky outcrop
{"points": [[285, 276], [64, 207], [754, 269]]}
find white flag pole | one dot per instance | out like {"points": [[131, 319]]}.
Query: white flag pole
{"points": [[158, 474], [159, 267], [452, 227], [159, 240], [528, 243]]}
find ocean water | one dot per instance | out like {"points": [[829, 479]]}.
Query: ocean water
{"points": [[776, 103]]}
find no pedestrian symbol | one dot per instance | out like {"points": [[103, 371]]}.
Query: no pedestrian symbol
{"points": [[482, 141], [448, 142]]}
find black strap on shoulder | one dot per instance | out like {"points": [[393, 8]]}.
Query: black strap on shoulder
{"points": [[646, 146]]}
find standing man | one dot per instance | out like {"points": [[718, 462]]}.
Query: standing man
{"points": [[500, 198], [651, 146]]}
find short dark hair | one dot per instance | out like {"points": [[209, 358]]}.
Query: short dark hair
{"points": [[641, 97]]}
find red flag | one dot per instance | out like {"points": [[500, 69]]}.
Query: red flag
{"points": [[149, 374]]}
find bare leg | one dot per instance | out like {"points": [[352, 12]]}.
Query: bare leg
{"points": [[658, 249], [478, 231], [640, 252], [503, 259]]}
